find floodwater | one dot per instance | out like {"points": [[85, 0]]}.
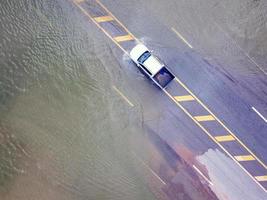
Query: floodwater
{"points": [[64, 132]]}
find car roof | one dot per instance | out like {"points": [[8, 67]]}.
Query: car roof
{"points": [[153, 64]]}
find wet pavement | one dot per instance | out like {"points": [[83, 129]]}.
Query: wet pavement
{"points": [[67, 133]]}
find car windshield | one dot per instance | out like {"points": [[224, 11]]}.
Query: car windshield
{"points": [[144, 57]]}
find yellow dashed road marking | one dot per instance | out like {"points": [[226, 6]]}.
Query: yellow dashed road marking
{"points": [[224, 138], [196, 119], [212, 138], [115, 18], [103, 19], [123, 96], [204, 118], [244, 158], [79, 1], [102, 29], [261, 178], [123, 38], [223, 125], [184, 98]]}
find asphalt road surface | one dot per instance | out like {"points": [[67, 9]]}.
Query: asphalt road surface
{"points": [[79, 120]]}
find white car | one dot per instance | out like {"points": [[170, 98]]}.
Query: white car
{"points": [[151, 65]]}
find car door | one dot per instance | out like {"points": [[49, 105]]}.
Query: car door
{"points": [[148, 73]]}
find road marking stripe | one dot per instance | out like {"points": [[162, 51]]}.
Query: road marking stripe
{"points": [[202, 175], [79, 1], [244, 158], [261, 116], [102, 29], [123, 38], [181, 37], [103, 19], [184, 98], [212, 138], [224, 138], [123, 96], [261, 178], [204, 118], [122, 25], [151, 170], [224, 126]]}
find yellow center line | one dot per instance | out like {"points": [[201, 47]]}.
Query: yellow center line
{"points": [[224, 138], [256, 179], [122, 25], [184, 98], [79, 1], [244, 158], [123, 96], [103, 19], [212, 138], [123, 38], [261, 178], [220, 122], [204, 118], [102, 29]]}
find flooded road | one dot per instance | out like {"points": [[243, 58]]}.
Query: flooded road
{"points": [[66, 133]]}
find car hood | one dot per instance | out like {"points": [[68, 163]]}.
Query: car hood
{"points": [[137, 51]]}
